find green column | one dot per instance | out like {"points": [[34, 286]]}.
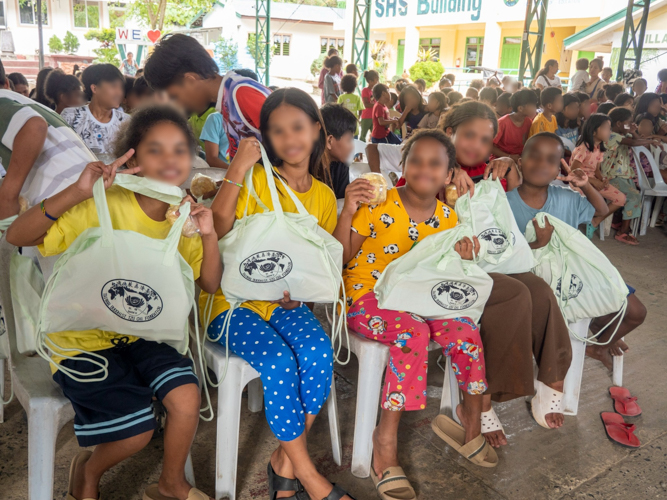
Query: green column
{"points": [[532, 42], [361, 36], [632, 43], [263, 35]]}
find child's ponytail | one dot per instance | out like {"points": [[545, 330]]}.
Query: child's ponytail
{"points": [[370, 75]]}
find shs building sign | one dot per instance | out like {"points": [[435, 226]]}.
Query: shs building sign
{"points": [[393, 8]]}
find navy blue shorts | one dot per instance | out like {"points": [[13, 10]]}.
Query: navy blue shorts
{"points": [[121, 406]]}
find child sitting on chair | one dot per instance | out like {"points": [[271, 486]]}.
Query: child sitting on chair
{"points": [[115, 414], [540, 164], [375, 235]]}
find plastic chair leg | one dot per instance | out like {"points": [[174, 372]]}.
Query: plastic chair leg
{"points": [[255, 395], [227, 439], [656, 210], [2, 390], [450, 392], [334, 430], [646, 210], [190, 471], [617, 372], [42, 433], [372, 363], [572, 383]]}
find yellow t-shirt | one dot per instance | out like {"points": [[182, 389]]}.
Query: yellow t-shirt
{"points": [[392, 233], [541, 124], [320, 202], [126, 214]]}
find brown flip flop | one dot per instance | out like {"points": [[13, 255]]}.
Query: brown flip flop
{"points": [[81, 457], [393, 485], [152, 493], [454, 435]]}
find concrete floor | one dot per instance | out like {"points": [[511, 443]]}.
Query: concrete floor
{"points": [[574, 462]]}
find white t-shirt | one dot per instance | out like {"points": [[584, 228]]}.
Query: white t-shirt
{"points": [[548, 82], [579, 80], [98, 136]]}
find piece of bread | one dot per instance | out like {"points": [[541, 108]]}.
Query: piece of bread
{"points": [[451, 195], [189, 228], [379, 185], [201, 184]]}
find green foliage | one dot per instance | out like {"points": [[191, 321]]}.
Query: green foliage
{"points": [[71, 43], [316, 65], [256, 51], [430, 71], [157, 14], [55, 45], [107, 53], [226, 54], [117, 15]]}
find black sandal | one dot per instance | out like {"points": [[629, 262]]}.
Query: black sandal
{"points": [[279, 483], [337, 493]]}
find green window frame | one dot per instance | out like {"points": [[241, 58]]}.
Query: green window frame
{"points": [[281, 44], [327, 43], [474, 51]]}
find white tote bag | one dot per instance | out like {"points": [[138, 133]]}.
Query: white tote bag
{"points": [[273, 251], [593, 286], [120, 281], [432, 280], [490, 216], [27, 286]]}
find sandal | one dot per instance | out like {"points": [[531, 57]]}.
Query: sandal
{"points": [[624, 404], [279, 483], [152, 493], [546, 400], [337, 493], [590, 231], [393, 485], [626, 238], [618, 431], [81, 457], [491, 422], [477, 450]]}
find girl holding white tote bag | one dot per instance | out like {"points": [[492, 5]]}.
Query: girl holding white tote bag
{"points": [[274, 223], [114, 313]]}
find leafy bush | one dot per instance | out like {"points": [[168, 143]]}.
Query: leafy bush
{"points": [[71, 43], [225, 52], [316, 65], [55, 45], [107, 53], [430, 71], [257, 52]]}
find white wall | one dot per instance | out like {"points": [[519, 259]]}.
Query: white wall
{"points": [[60, 21]]}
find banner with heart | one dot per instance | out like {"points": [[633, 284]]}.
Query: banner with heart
{"points": [[153, 35]]}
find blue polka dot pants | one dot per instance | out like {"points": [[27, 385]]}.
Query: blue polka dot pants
{"points": [[294, 358]]}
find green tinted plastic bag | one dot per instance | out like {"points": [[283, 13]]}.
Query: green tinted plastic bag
{"points": [[27, 286]]}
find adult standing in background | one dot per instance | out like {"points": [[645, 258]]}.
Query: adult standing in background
{"points": [[129, 66], [546, 77], [595, 83]]}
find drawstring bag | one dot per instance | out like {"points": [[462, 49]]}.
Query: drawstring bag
{"points": [[119, 281], [269, 252], [490, 216], [432, 280], [585, 283], [27, 285]]}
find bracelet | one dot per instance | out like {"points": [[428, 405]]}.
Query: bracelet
{"points": [[232, 182], [48, 216]]}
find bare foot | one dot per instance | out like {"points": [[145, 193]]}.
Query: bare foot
{"points": [[495, 438], [555, 420], [471, 423], [601, 353], [84, 486], [618, 348], [385, 453], [283, 467]]}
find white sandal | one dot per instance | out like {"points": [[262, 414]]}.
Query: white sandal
{"points": [[546, 400], [491, 422]]}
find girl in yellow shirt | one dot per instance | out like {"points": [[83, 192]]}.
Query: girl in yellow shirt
{"points": [[282, 339]]}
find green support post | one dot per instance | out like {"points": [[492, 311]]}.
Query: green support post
{"points": [[361, 36], [263, 31], [531, 50], [633, 36]]}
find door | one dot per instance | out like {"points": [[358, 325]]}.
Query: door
{"points": [[510, 56], [587, 54], [400, 53]]}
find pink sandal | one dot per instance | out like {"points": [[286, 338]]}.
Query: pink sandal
{"points": [[626, 238]]}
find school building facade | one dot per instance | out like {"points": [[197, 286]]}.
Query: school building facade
{"points": [[467, 33]]}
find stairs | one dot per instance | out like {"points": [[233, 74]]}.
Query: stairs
{"points": [[28, 68]]}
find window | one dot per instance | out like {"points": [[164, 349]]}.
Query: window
{"points": [[117, 11], [474, 51], [28, 12], [281, 44], [86, 14], [3, 21], [331, 43], [432, 44]]}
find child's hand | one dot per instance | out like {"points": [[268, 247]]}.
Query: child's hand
{"points": [[357, 192], [286, 302], [499, 167], [203, 217], [94, 170], [515, 158], [248, 153], [465, 248], [463, 182], [576, 177], [542, 234]]}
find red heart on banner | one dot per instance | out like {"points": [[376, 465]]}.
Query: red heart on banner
{"points": [[153, 35]]}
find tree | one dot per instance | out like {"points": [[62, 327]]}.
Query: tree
{"points": [[256, 51], [107, 53], [71, 43], [55, 45], [160, 13], [226, 54]]}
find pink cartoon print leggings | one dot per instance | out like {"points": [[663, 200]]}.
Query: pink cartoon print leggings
{"points": [[408, 336]]}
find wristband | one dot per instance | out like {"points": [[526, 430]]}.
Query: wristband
{"points": [[232, 182], [46, 214]]}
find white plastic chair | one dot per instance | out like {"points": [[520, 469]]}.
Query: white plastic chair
{"points": [[572, 384], [239, 374], [358, 168], [373, 357], [359, 147], [657, 189], [569, 145], [47, 408]]}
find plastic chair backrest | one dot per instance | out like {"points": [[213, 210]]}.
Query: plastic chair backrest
{"points": [[359, 147], [569, 145], [657, 177], [644, 183]]}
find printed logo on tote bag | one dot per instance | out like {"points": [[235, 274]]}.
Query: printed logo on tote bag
{"points": [[266, 267], [454, 295], [131, 300], [576, 285], [497, 240]]}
